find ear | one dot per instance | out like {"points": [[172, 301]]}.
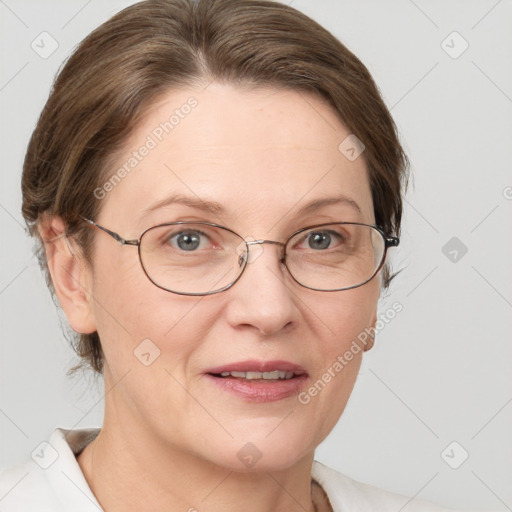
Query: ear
{"points": [[371, 336], [71, 275]]}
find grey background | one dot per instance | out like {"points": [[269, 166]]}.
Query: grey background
{"points": [[441, 370]]}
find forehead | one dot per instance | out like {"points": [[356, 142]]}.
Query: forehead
{"points": [[259, 153]]}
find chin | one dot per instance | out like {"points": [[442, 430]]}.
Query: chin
{"points": [[259, 453]]}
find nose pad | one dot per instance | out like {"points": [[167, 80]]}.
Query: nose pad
{"points": [[251, 249], [242, 250]]}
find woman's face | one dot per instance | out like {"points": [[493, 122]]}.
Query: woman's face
{"points": [[262, 156]]}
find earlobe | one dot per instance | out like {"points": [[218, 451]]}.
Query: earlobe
{"points": [[71, 276], [371, 335]]}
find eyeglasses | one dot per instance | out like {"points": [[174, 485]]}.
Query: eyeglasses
{"points": [[201, 258]]}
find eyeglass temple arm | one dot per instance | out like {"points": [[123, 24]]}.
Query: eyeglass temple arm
{"points": [[114, 235], [392, 241]]}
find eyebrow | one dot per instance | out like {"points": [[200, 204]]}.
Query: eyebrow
{"points": [[217, 209]]}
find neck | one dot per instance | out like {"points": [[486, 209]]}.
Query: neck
{"points": [[128, 469]]}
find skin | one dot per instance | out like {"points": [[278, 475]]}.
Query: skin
{"points": [[170, 438]]}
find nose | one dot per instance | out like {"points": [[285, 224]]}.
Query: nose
{"points": [[263, 299]]}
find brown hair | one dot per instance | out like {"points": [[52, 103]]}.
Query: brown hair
{"points": [[157, 45]]}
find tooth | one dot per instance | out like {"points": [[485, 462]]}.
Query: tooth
{"points": [[272, 375]]}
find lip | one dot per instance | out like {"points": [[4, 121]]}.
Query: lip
{"points": [[259, 390], [258, 366]]}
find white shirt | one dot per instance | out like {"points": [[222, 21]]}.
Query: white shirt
{"points": [[52, 481]]}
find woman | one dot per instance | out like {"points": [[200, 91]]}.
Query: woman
{"points": [[217, 185]]}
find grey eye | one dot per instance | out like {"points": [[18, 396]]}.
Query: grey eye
{"points": [[187, 241], [319, 240]]}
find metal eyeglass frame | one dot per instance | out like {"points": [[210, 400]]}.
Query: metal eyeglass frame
{"points": [[389, 241]]}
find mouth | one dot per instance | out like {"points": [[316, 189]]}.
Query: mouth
{"points": [[259, 381], [273, 375]]}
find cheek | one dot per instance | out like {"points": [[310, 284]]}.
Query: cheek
{"points": [[343, 316], [344, 320], [134, 317]]}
